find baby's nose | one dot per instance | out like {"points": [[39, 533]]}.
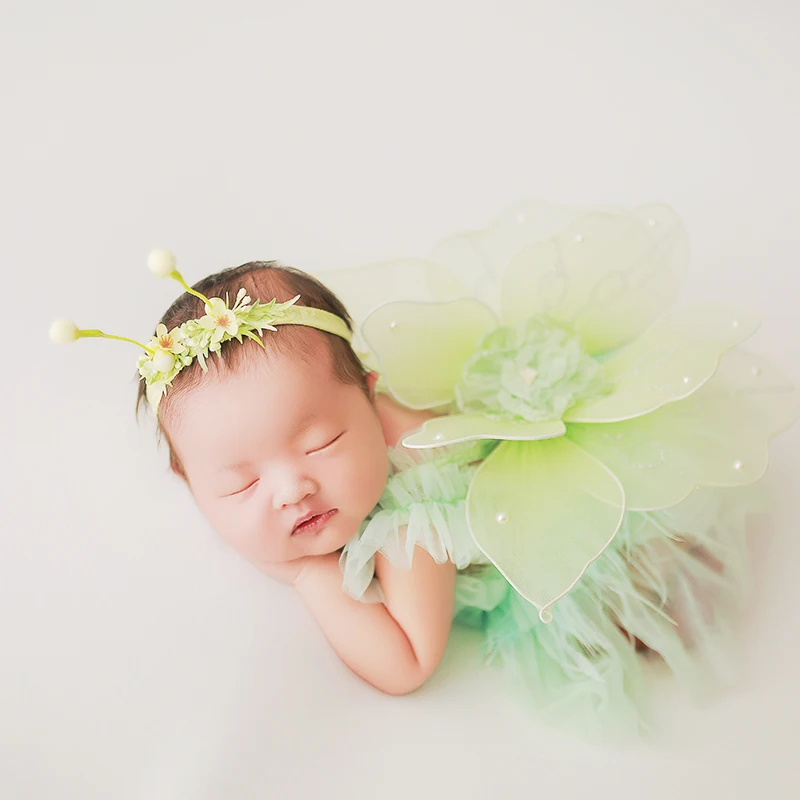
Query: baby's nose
{"points": [[294, 492]]}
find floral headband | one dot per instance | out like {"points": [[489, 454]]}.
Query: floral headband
{"points": [[168, 352]]}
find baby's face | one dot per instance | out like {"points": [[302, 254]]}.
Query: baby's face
{"points": [[278, 443]]}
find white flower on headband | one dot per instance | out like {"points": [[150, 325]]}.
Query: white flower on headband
{"points": [[171, 341], [219, 319], [166, 345]]}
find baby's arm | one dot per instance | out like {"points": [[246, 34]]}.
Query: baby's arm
{"points": [[397, 646]]}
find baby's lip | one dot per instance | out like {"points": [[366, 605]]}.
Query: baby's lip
{"points": [[310, 515]]}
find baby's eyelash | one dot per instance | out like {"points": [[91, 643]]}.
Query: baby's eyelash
{"points": [[242, 491], [335, 439]]}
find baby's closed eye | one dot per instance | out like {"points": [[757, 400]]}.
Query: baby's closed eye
{"points": [[326, 444], [243, 490]]}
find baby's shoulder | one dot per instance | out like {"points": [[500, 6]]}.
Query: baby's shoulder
{"points": [[397, 420]]}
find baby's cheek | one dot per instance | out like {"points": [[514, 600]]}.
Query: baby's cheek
{"points": [[372, 480], [246, 529]]}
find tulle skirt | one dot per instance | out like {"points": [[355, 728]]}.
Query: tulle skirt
{"points": [[669, 587]]}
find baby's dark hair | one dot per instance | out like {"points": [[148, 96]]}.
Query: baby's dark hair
{"points": [[263, 281]]}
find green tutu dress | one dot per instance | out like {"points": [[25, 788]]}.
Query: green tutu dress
{"points": [[590, 469]]}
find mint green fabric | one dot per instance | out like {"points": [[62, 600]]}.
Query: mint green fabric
{"points": [[672, 578], [422, 504]]}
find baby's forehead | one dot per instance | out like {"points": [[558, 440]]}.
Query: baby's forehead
{"points": [[242, 418], [301, 380], [278, 385]]}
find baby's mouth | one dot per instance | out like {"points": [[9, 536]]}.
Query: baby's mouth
{"points": [[313, 522]]}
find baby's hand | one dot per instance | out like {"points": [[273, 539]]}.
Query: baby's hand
{"points": [[286, 571]]}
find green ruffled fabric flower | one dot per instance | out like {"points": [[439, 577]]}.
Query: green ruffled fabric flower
{"points": [[530, 372]]}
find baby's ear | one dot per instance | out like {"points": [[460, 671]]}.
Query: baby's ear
{"points": [[372, 379], [175, 466]]}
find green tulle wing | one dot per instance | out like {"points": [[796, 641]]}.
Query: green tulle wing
{"points": [[606, 274], [668, 362], [421, 347], [362, 289], [455, 428], [482, 256], [542, 511], [719, 436]]}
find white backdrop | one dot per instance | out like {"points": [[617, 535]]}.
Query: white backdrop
{"points": [[139, 657]]}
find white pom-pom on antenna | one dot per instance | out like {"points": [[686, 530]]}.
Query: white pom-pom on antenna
{"points": [[63, 331], [161, 263]]}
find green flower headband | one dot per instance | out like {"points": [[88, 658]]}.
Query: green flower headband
{"points": [[168, 352]]}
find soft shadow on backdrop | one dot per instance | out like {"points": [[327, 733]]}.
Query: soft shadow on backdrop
{"points": [[140, 658]]}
